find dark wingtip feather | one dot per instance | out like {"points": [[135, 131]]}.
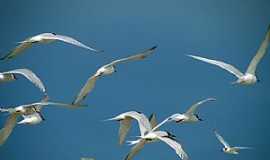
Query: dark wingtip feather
{"points": [[154, 47], [151, 116]]}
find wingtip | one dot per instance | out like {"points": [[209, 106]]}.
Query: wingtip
{"points": [[211, 99], [190, 55], [154, 47], [100, 51]]}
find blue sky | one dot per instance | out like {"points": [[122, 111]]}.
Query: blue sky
{"points": [[166, 83]]}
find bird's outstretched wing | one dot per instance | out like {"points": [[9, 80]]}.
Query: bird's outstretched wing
{"points": [[139, 56], [69, 40], [239, 148], [222, 65], [260, 53], [220, 138], [153, 120], [125, 125], [30, 76], [71, 106], [194, 107], [87, 88], [135, 150], [176, 146], [7, 129], [16, 51]]}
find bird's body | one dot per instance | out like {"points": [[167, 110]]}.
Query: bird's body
{"points": [[108, 69], [31, 119], [230, 150], [105, 70], [44, 38], [185, 118], [248, 77]]}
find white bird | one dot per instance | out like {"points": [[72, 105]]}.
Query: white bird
{"points": [[249, 77], [108, 69], [31, 114], [189, 116], [227, 148], [44, 38], [28, 74], [148, 134]]}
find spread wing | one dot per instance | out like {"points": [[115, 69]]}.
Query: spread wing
{"points": [[139, 56], [220, 138], [153, 120], [30, 76], [124, 128], [260, 53], [142, 120], [87, 88], [135, 150], [176, 146], [239, 148], [194, 107], [71, 106], [69, 40], [7, 129], [16, 51], [222, 65]]}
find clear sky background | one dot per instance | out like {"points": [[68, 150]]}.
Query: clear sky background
{"points": [[166, 83]]}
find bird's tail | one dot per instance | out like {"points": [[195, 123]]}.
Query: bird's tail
{"points": [[5, 110], [133, 142], [234, 82]]}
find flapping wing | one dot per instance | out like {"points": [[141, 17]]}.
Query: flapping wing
{"points": [[7, 129], [30, 76], [176, 146], [135, 150], [153, 120], [194, 107], [87, 88], [163, 122], [71, 106], [222, 65], [70, 40], [239, 148], [123, 129], [16, 51], [142, 120], [260, 53], [139, 56], [220, 138]]}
